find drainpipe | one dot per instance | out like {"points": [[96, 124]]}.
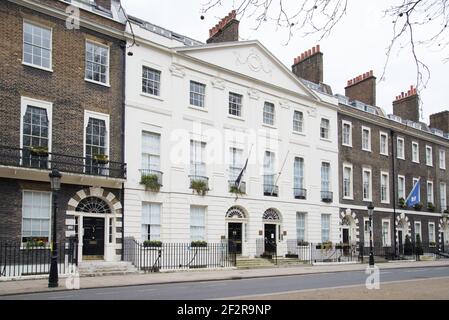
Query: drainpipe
{"points": [[122, 193], [393, 163]]}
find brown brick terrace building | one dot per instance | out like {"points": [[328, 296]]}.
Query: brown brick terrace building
{"points": [[61, 106]]}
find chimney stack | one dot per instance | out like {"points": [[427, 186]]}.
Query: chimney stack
{"points": [[406, 105], [226, 30], [440, 121], [362, 88], [309, 65], [105, 4]]}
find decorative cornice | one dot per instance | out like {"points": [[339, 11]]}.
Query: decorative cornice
{"points": [[218, 83], [177, 70], [254, 93]]}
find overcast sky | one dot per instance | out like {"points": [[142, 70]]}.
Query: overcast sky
{"points": [[357, 45]]}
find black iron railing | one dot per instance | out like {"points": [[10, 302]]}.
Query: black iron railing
{"points": [[18, 157], [267, 248], [30, 259], [327, 196], [145, 173], [300, 193], [178, 256], [321, 252], [270, 190]]}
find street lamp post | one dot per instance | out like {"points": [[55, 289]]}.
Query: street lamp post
{"points": [[55, 182], [370, 214]]}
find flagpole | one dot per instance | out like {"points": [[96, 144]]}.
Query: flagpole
{"points": [[279, 174]]}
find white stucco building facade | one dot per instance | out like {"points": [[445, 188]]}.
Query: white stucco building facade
{"points": [[200, 110]]}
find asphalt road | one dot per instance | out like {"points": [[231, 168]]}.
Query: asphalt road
{"points": [[235, 288]]}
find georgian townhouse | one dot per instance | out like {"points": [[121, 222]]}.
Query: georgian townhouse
{"points": [[382, 156], [61, 107], [223, 142]]}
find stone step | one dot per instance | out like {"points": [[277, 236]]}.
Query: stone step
{"points": [[89, 269]]}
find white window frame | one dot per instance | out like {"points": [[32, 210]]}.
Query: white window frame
{"points": [[204, 227], [404, 195], [366, 233], [48, 106], [328, 129], [201, 95], [300, 179], [302, 122], [432, 239], [368, 148], [271, 104], [430, 195], [108, 66], [351, 182], [343, 123], [148, 132], [429, 154], [387, 200], [153, 224], [329, 230], [386, 243], [101, 116], [304, 215], [50, 213], [370, 184], [235, 163], [241, 105], [443, 196], [442, 159], [402, 155], [329, 181], [420, 229], [415, 160], [26, 21], [383, 134]]}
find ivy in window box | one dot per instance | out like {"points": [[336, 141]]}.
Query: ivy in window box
{"points": [[39, 151], [200, 186], [198, 244], [151, 182], [446, 211], [327, 245], [302, 243], [101, 158], [152, 243], [402, 203], [432, 244], [430, 207], [35, 243], [236, 190], [418, 206]]}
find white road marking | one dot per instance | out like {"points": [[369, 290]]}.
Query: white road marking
{"points": [[107, 293], [146, 290]]}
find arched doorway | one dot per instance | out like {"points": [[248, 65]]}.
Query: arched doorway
{"points": [[94, 218], [402, 230], [236, 222], [349, 227], [272, 230]]}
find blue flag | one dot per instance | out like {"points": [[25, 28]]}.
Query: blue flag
{"points": [[415, 195]]}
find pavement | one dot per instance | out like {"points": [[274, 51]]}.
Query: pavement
{"points": [[35, 286]]}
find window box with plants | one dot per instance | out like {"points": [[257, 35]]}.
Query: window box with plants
{"points": [[432, 244], [430, 207], [237, 190], [101, 159], [302, 243], [291, 255], [401, 203], [152, 244], [327, 245], [199, 185], [198, 244], [418, 206], [151, 182], [39, 151]]}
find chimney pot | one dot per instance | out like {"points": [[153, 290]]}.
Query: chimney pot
{"points": [[362, 88], [406, 105], [312, 70]]}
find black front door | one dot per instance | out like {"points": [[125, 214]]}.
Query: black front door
{"points": [[93, 238], [401, 247], [270, 239], [346, 241], [235, 237]]}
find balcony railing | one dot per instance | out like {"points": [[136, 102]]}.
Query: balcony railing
{"points": [[152, 179], [199, 184], [270, 190], [233, 187], [327, 196], [17, 157], [300, 193]]}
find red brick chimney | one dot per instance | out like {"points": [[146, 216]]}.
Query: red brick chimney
{"points": [[226, 30], [406, 105], [309, 65], [362, 88], [106, 4]]}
